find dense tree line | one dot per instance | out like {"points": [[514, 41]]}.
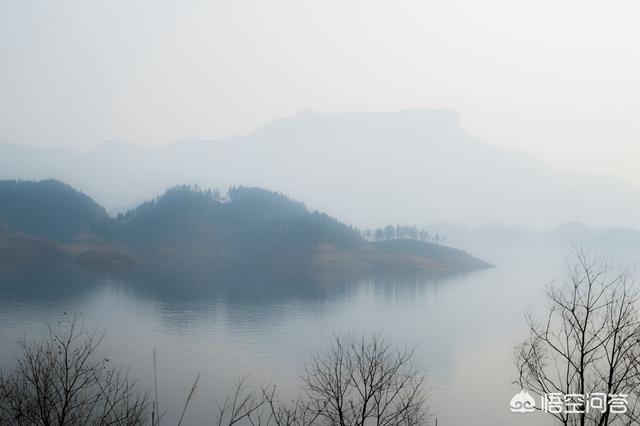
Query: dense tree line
{"points": [[400, 232], [248, 218], [48, 209], [253, 219]]}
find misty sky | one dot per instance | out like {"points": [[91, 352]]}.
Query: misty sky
{"points": [[558, 79]]}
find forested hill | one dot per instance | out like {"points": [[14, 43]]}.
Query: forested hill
{"points": [[245, 229], [246, 218], [48, 209]]}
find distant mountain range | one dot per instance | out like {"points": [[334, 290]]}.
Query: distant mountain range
{"points": [[565, 235], [414, 166], [248, 228]]}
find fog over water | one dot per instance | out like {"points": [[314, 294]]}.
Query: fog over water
{"points": [[464, 327], [233, 184]]}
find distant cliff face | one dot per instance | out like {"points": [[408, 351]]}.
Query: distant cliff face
{"points": [[415, 166]]}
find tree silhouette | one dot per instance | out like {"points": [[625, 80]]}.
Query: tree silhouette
{"points": [[588, 344]]}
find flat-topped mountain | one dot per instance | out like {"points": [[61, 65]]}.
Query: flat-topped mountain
{"points": [[414, 166]]}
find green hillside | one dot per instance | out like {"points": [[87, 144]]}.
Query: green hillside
{"points": [[48, 209], [245, 229], [248, 219]]}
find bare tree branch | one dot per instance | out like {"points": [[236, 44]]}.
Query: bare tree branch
{"points": [[589, 342]]}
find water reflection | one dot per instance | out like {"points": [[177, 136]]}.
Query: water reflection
{"points": [[223, 327]]}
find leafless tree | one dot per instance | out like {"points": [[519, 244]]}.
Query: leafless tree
{"points": [[358, 382], [243, 406], [299, 412], [355, 382], [589, 344], [63, 380]]}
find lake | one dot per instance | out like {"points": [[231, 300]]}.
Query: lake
{"points": [[464, 328]]}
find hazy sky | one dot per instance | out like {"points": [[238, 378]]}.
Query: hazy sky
{"points": [[558, 79]]}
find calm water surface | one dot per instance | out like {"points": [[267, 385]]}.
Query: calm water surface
{"points": [[464, 327]]}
